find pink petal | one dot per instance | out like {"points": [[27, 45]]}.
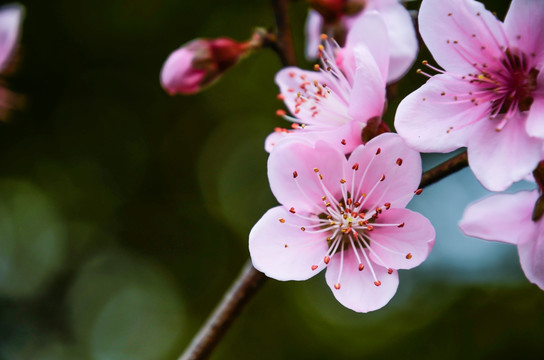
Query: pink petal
{"points": [[269, 253], [368, 93], [440, 31], [499, 159], [403, 45], [357, 289], [303, 157], [525, 19], [535, 116], [292, 80], [400, 181], [432, 122], [369, 29], [531, 254], [501, 217], [178, 75], [347, 136], [405, 247], [313, 28], [10, 21]]}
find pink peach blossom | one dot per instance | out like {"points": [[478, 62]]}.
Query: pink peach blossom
{"points": [[507, 218], [345, 215], [403, 46], [199, 63], [490, 97], [334, 103]]}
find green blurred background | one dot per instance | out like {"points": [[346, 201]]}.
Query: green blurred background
{"points": [[124, 213]]}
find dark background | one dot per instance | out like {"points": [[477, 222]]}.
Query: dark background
{"points": [[124, 213]]}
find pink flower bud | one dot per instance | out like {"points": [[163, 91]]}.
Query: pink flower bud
{"points": [[333, 10], [199, 63]]}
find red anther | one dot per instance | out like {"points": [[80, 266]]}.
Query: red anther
{"points": [[377, 283], [286, 245], [387, 205], [316, 67], [292, 210], [295, 125], [314, 267], [357, 204], [348, 201], [343, 142], [401, 225], [326, 259], [282, 220], [337, 286], [348, 230], [399, 161], [354, 214], [278, 129], [280, 97], [382, 178], [297, 110], [418, 191], [389, 271], [370, 227], [355, 166], [378, 151], [378, 210], [361, 267], [316, 170], [292, 74], [409, 256], [295, 174]]}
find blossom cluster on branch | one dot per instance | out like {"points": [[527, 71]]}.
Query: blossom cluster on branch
{"points": [[343, 178]]}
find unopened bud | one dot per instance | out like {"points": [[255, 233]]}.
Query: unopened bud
{"points": [[332, 10], [199, 63]]}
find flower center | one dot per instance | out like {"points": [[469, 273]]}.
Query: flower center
{"points": [[515, 88]]}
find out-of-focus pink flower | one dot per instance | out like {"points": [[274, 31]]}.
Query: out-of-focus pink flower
{"points": [[198, 63], [346, 215], [338, 18], [10, 21], [508, 218], [490, 98], [334, 103]]}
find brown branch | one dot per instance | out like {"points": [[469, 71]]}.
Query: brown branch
{"points": [[444, 169], [284, 41], [241, 291], [250, 280]]}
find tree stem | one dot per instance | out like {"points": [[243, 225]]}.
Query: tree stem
{"points": [[241, 291], [284, 41]]}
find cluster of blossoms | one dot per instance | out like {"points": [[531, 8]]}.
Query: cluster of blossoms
{"points": [[343, 179]]}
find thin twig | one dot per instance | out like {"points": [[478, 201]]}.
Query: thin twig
{"points": [[444, 169], [241, 291], [250, 280], [284, 41]]}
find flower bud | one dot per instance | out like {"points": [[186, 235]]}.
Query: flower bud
{"points": [[199, 63], [333, 10]]}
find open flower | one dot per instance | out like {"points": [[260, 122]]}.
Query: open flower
{"points": [[508, 218], [335, 102], [344, 215], [490, 97], [337, 21]]}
